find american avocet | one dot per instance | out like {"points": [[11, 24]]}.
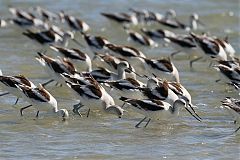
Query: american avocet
{"points": [[55, 67], [131, 54], [125, 87], [230, 75], [80, 58], [95, 43], [161, 66], [41, 99], [111, 62], [228, 48], [173, 22], [63, 34], [160, 92], [233, 106], [184, 44], [230, 63], [45, 14], [156, 109], [24, 18], [93, 96], [139, 38], [159, 34], [9, 83], [142, 15], [183, 93], [210, 47], [76, 24], [102, 74], [193, 23], [121, 17], [48, 37]]}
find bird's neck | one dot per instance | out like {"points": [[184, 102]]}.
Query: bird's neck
{"points": [[121, 73]]}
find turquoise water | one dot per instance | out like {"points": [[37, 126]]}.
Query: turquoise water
{"points": [[107, 137]]}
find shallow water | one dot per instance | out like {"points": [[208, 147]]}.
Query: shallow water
{"points": [[105, 136]]}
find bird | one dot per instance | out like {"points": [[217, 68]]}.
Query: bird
{"points": [[210, 48], [80, 58], [94, 96], [233, 106], [56, 66], [48, 37], [42, 100], [228, 48], [146, 16], [23, 18], [111, 62], [230, 75], [95, 43], [131, 54], [159, 34], [76, 24], [102, 74], [185, 44], [139, 38], [45, 14], [121, 18], [9, 83], [161, 66], [160, 92], [156, 109], [124, 87]]}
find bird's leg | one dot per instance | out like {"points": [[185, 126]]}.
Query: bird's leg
{"points": [[137, 125], [174, 53], [21, 110], [3, 94], [194, 60], [88, 112], [147, 122], [76, 108], [46, 83], [37, 114], [237, 129], [16, 101]]}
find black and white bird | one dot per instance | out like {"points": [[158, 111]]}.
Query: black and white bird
{"points": [[131, 54], [49, 37], [162, 66], [209, 47], [161, 35], [41, 99], [8, 83], [24, 18], [56, 66], [139, 38], [229, 74], [233, 106], [94, 96], [111, 62], [156, 109], [80, 59], [76, 24], [102, 74], [45, 14], [95, 43], [122, 18]]}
